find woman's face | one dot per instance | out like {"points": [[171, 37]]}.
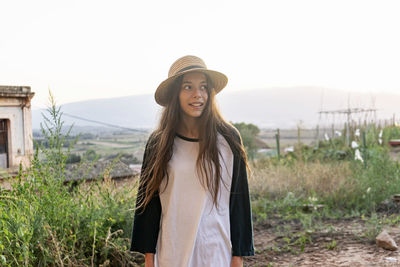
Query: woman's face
{"points": [[193, 94]]}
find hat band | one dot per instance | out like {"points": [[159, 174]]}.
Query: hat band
{"points": [[190, 67]]}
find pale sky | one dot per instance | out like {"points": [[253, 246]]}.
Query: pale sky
{"points": [[98, 49]]}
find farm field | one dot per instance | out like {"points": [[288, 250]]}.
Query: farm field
{"points": [[288, 137], [119, 142]]}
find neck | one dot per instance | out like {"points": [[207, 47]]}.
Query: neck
{"points": [[189, 127]]}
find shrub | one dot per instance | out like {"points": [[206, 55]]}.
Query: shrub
{"points": [[91, 155], [73, 158], [248, 133]]}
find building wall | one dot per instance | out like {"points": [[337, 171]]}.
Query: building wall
{"points": [[28, 138], [20, 142]]}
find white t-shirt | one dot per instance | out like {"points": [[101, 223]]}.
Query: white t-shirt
{"points": [[193, 232]]}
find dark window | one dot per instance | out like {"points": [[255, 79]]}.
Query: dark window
{"points": [[3, 144]]}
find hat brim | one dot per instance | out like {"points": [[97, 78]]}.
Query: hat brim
{"points": [[163, 92]]}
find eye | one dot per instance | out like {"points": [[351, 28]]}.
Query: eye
{"points": [[186, 87], [204, 87]]}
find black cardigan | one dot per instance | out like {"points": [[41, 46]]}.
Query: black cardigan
{"points": [[146, 223]]}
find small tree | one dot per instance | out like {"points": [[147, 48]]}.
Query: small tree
{"points": [[55, 138], [249, 133]]}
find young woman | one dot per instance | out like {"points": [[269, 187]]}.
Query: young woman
{"points": [[193, 206]]}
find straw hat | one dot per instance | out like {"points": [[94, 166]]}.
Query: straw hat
{"points": [[184, 65]]}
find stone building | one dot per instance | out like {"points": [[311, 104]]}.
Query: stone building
{"points": [[16, 143]]}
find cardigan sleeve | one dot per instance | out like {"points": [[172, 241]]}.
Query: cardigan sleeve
{"points": [[146, 223], [240, 209]]}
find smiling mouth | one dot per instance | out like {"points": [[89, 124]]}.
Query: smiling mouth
{"points": [[196, 105]]}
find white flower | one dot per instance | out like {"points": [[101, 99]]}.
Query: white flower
{"points": [[326, 137], [368, 190], [312, 199], [358, 156], [381, 134], [338, 133], [357, 133], [380, 141], [354, 144]]}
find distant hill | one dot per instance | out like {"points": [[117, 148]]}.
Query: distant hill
{"points": [[268, 108], [137, 111]]}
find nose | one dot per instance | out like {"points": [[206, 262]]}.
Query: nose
{"points": [[196, 92]]}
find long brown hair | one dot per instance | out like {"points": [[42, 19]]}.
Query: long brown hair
{"points": [[160, 145]]}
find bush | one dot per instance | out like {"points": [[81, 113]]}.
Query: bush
{"points": [[374, 182], [248, 132], [73, 158], [91, 155]]}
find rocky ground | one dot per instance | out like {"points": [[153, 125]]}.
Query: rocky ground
{"points": [[341, 243]]}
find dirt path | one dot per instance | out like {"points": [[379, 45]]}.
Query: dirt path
{"points": [[342, 247]]}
